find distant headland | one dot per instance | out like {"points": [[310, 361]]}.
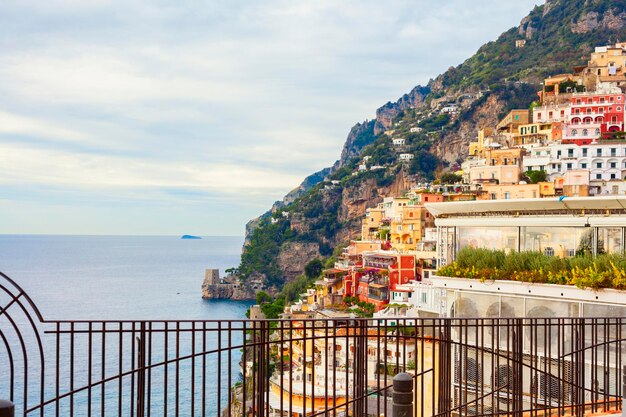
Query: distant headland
{"points": [[190, 237]]}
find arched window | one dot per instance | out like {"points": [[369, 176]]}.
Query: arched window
{"points": [[574, 132], [585, 132]]}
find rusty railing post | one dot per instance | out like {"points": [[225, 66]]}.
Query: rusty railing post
{"points": [[402, 396], [7, 409]]}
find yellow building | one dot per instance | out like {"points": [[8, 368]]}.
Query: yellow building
{"points": [[518, 191], [485, 136], [533, 133], [371, 223], [608, 62], [406, 232], [504, 157]]}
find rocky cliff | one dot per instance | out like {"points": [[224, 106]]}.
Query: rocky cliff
{"points": [[504, 74]]}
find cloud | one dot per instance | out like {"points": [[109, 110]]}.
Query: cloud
{"points": [[210, 99], [89, 171]]}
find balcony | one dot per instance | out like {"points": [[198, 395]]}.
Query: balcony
{"points": [[305, 367]]}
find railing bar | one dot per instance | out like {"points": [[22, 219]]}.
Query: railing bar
{"points": [[193, 371], [304, 333], [312, 366], [377, 372], [219, 368], [89, 367], [245, 380], [103, 386], [219, 375], [149, 368], [131, 402], [120, 368], [267, 371], [58, 373], [291, 363], [71, 370], [230, 364], [177, 368], [165, 367]]}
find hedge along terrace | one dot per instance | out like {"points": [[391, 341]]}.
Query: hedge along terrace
{"points": [[585, 271]]}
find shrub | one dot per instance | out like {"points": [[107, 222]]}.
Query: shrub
{"points": [[583, 271]]}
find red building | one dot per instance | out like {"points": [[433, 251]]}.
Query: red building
{"points": [[592, 115], [381, 273]]}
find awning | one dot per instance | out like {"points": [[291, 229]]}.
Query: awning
{"points": [[574, 204]]}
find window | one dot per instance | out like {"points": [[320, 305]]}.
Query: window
{"points": [[598, 176], [613, 164], [598, 165], [570, 153], [584, 151], [583, 165], [569, 166], [507, 195], [612, 176], [599, 152], [613, 151], [574, 132], [585, 132], [558, 154]]}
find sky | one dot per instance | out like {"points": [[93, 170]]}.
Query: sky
{"points": [[191, 117]]}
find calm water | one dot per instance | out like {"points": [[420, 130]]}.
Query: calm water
{"points": [[123, 278], [120, 277]]}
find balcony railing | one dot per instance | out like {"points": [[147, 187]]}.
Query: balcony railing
{"points": [[459, 366]]}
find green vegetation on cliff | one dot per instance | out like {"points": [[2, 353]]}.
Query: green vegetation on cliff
{"points": [[499, 77], [551, 45]]}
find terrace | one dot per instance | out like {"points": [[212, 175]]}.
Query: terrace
{"points": [[457, 366]]}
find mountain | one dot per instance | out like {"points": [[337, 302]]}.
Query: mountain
{"points": [[325, 211]]}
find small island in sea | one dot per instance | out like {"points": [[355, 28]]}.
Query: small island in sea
{"points": [[190, 237]]}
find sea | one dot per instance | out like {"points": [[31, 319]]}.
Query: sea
{"points": [[122, 278]]}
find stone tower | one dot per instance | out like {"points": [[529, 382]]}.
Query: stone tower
{"points": [[212, 276]]}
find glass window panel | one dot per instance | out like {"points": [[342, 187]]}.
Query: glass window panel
{"points": [[610, 240], [500, 238], [558, 241]]}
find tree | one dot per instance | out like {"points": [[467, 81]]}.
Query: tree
{"points": [[313, 269], [536, 176], [262, 297], [450, 178]]}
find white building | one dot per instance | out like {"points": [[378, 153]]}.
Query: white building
{"points": [[450, 108], [406, 156], [399, 142], [552, 113], [605, 160]]}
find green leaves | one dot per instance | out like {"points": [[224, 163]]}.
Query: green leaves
{"points": [[585, 271]]}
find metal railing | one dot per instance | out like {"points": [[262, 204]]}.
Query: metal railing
{"points": [[326, 367]]}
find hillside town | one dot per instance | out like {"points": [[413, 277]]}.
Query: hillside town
{"points": [[549, 180]]}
